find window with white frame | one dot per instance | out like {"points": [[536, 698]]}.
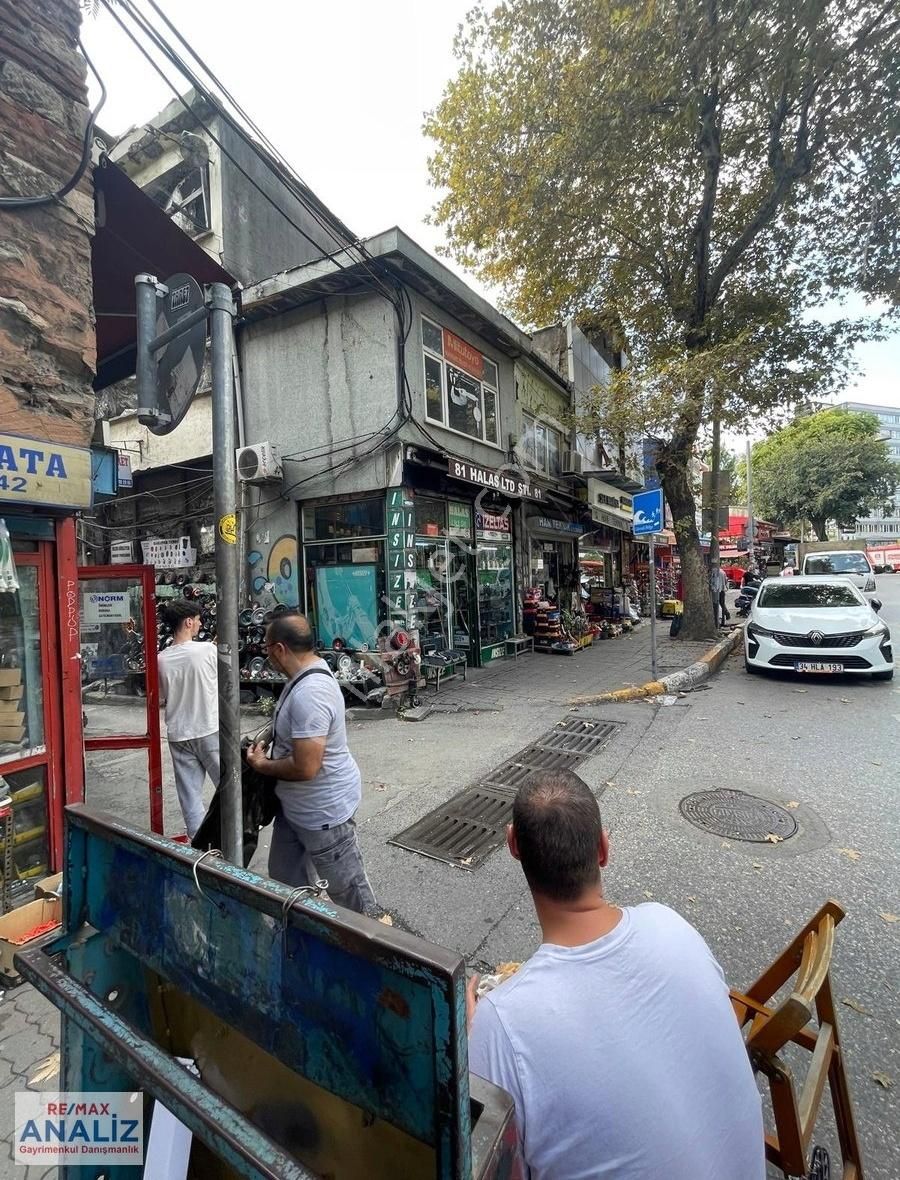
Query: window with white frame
{"points": [[541, 445], [464, 399]]}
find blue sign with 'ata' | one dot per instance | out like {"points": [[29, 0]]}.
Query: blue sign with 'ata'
{"points": [[648, 512]]}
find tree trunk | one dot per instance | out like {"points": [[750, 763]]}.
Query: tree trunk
{"points": [[699, 620], [819, 527]]}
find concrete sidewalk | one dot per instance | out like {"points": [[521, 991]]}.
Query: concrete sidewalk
{"points": [[408, 768]]}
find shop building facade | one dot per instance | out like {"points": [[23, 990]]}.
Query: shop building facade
{"points": [[404, 491]]}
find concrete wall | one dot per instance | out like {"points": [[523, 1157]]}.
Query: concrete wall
{"points": [[47, 343], [259, 238], [191, 438], [315, 378]]}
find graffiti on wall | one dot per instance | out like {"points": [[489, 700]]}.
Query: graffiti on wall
{"points": [[274, 570]]}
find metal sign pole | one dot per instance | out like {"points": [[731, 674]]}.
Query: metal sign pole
{"points": [[221, 311], [653, 605]]}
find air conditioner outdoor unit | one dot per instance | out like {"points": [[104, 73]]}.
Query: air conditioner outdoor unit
{"points": [[572, 463], [259, 463]]}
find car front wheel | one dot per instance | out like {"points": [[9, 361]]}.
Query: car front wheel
{"points": [[749, 668]]}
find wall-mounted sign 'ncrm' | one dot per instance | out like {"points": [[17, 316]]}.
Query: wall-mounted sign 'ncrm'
{"points": [[47, 473]]}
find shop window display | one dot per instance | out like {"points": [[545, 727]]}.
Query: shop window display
{"points": [[495, 591], [333, 522], [345, 591], [21, 690]]}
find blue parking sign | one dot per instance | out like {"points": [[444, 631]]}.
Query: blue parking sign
{"points": [[648, 512]]}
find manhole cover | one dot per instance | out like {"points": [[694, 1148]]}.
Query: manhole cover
{"points": [[737, 815]]}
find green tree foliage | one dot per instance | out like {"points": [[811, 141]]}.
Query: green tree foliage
{"points": [[828, 466], [699, 178]]}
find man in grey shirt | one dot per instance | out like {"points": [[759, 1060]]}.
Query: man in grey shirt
{"points": [[319, 784]]}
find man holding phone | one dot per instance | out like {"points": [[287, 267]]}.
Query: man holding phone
{"points": [[319, 784]]}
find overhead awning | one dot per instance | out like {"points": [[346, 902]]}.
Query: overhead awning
{"points": [[133, 236]]}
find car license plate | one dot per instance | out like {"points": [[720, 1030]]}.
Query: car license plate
{"points": [[810, 666]]}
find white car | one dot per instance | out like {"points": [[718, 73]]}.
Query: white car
{"points": [[841, 563], [817, 625]]}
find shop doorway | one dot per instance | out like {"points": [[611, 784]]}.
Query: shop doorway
{"points": [[120, 692]]}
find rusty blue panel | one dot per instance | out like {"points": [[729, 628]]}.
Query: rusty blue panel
{"points": [[365, 1011]]}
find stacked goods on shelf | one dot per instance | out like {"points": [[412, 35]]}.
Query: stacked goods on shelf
{"points": [[530, 610], [12, 717], [23, 855]]}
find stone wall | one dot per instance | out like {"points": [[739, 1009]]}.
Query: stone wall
{"points": [[47, 342]]}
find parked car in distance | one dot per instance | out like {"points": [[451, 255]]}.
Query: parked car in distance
{"points": [[817, 625], [847, 563]]}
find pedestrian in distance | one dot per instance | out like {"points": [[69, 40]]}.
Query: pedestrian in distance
{"points": [[719, 584], [319, 785], [189, 686], [616, 1039]]}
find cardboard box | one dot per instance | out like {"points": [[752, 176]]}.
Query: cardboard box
{"points": [[11, 692], [9, 677], [11, 716], [15, 925], [49, 886], [12, 733]]}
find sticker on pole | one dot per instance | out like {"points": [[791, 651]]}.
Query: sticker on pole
{"points": [[78, 1129], [647, 508], [228, 528]]}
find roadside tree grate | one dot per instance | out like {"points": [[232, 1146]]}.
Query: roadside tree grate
{"points": [[467, 828], [738, 816]]}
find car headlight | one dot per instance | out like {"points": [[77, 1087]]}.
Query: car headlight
{"points": [[878, 628], [755, 629]]}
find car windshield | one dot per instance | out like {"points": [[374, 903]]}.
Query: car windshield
{"points": [[837, 563], [794, 594]]}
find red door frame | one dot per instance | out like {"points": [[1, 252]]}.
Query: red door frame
{"points": [[150, 740], [50, 759]]}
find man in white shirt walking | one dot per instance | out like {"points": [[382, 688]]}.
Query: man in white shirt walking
{"points": [[188, 684], [616, 1039]]}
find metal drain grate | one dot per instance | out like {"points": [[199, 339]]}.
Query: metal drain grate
{"points": [[467, 828], [578, 736], [463, 831], [737, 815]]}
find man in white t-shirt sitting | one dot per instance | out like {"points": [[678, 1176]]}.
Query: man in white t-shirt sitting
{"points": [[189, 687], [616, 1039]]}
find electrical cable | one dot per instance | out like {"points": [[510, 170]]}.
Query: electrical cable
{"points": [[172, 56], [51, 198]]}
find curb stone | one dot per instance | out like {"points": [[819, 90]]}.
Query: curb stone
{"points": [[681, 681]]}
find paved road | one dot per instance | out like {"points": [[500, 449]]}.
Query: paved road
{"points": [[830, 746]]}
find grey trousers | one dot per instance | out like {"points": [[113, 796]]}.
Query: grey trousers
{"points": [[298, 856], [192, 761]]}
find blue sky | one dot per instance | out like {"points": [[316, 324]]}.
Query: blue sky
{"points": [[341, 88]]}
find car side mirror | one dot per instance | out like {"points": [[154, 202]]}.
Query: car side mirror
{"points": [[876, 604]]}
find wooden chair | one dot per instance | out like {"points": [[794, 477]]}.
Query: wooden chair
{"points": [[771, 1029]]}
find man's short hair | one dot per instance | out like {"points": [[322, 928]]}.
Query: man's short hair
{"points": [[293, 630], [557, 825], [177, 610]]}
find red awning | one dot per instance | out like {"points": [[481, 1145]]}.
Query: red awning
{"points": [[133, 236]]}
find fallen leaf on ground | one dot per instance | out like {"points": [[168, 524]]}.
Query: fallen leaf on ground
{"points": [[692, 899], [386, 920], [885, 917], [850, 853], [466, 860], [883, 1079], [845, 700], [773, 839], [609, 783], [647, 893], [757, 865], [793, 803], [632, 791], [875, 763], [801, 690], [46, 1069], [856, 1006]]}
